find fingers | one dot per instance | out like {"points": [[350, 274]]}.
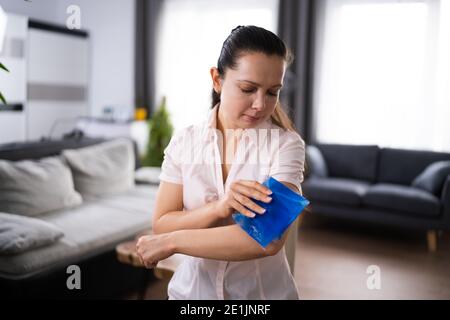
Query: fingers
{"points": [[243, 200], [149, 264], [255, 185], [140, 259], [141, 253], [243, 190], [252, 192], [240, 208]]}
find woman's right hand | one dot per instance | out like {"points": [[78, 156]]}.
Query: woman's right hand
{"points": [[239, 198]]}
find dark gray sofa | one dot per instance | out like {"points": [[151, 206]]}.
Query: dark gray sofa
{"points": [[376, 185], [91, 233]]}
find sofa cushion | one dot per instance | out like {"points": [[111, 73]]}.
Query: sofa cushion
{"points": [[335, 190], [315, 163], [136, 199], [31, 187], [433, 177], [351, 162], [102, 169], [19, 234], [403, 199], [399, 166], [90, 229]]}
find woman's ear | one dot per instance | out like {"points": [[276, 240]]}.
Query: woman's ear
{"points": [[217, 80]]}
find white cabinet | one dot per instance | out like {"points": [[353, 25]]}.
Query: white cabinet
{"points": [[47, 88], [57, 82]]}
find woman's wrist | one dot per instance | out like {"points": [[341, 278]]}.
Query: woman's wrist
{"points": [[176, 238]]}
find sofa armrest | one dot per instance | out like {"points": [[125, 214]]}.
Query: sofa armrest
{"points": [[445, 200], [315, 163]]}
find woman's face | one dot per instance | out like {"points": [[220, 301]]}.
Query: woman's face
{"points": [[250, 92]]}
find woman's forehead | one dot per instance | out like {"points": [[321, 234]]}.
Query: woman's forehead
{"points": [[260, 69]]}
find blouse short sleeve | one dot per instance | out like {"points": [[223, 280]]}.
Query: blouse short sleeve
{"points": [[288, 166], [171, 167]]}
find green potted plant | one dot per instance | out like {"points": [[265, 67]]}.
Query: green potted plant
{"points": [[2, 98], [160, 131]]}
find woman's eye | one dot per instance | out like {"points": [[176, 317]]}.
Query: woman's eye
{"points": [[248, 90], [253, 90]]}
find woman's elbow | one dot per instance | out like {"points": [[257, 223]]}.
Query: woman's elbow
{"points": [[258, 251], [261, 252], [155, 229], [156, 226], [273, 248]]}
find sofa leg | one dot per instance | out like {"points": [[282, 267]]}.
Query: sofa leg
{"points": [[432, 240]]}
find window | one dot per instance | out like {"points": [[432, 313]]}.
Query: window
{"points": [[190, 39], [383, 73]]}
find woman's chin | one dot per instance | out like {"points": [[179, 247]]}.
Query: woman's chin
{"points": [[245, 125]]}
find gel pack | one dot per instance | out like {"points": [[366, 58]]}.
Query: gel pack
{"points": [[285, 207]]}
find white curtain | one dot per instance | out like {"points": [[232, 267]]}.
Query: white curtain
{"points": [[190, 39], [383, 73]]}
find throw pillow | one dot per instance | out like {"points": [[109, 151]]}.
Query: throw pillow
{"points": [[103, 169], [32, 187], [19, 234]]}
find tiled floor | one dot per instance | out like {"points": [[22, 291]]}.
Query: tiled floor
{"points": [[333, 256]]}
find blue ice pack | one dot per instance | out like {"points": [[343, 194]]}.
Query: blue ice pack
{"points": [[285, 207]]}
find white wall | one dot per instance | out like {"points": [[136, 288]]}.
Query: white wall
{"points": [[43, 10], [110, 24], [13, 83]]}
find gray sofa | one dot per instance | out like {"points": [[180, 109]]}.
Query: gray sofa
{"points": [[91, 232], [393, 187]]}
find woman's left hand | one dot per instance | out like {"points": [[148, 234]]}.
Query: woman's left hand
{"points": [[154, 248]]}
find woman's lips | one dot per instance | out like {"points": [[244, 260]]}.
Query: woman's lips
{"points": [[250, 118]]}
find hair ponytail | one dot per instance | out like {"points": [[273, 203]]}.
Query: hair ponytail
{"points": [[215, 98], [281, 118]]}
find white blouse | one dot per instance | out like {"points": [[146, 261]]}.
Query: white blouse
{"points": [[193, 159]]}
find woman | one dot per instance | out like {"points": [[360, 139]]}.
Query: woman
{"points": [[197, 197]]}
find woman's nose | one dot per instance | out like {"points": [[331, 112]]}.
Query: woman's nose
{"points": [[259, 103]]}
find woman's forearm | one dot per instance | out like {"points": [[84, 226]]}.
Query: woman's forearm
{"points": [[228, 243], [203, 217]]}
